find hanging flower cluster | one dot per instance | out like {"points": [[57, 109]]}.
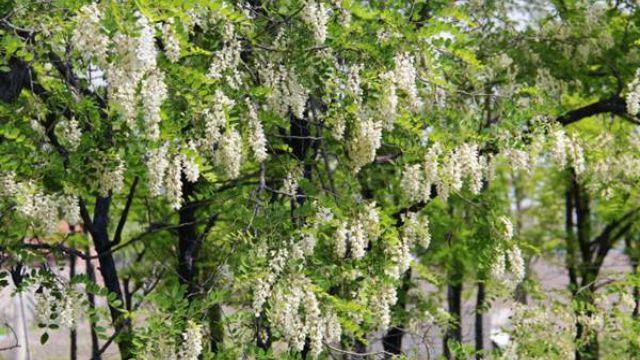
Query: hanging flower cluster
{"points": [[315, 15], [61, 306], [353, 236], [449, 174]]}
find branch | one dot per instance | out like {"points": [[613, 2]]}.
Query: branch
{"points": [[16, 343], [614, 105], [125, 213]]}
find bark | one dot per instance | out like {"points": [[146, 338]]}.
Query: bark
{"points": [[95, 342], [187, 242], [454, 301], [109, 272], [634, 260], [215, 327], [73, 336], [392, 340], [480, 309]]}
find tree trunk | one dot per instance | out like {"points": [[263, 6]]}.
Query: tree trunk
{"points": [[392, 340], [73, 335], [109, 273], [187, 242], [454, 300], [95, 342], [480, 309]]}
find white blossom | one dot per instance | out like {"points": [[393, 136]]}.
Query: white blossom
{"points": [[405, 77], [216, 119], [506, 228], [633, 95], [364, 143], [257, 139], [173, 182], [388, 107], [88, 34], [341, 237], [315, 15], [229, 154], [412, 183], [111, 178], [516, 264], [70, 206], [170, 41], [190, 169], [157, 163], [153, 92], [191, 346], [226, 60], [559, 147], [290, 183], [71, 133], [576, 154]]}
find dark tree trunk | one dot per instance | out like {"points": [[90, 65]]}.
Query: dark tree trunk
{"points": [[633, 252], [73, 335], [187, 242], [109, 274], [216, 328], [480, 309], [392, 340], [95, 342], [454, 301]]}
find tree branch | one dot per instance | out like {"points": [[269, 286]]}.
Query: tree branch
{"points": [[125, 213]]}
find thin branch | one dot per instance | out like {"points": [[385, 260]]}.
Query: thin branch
{"points": [[16, 343], [125, 213]]}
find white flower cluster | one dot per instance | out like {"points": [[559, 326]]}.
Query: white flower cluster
{"points": [[506, 228], [70, 207], [62, 310], [88, 35], [356, 234], [173, 181], [290, 183], [567, 148], [111, 178], [519, 160], [388, 107], [226, 60], [153, 92], [353, 83], [191, 346], [516, 274], [633, 95], [405, 78], [412, 182], [559, 147], [460, 164], [287, 94], [71, 133], [157, 164], [364, 142], [296, 314], [380, 304], [170, 41], [315, 15], [8, 185], [257, 139], [278, 260], [40, 208], [576, 154], [229, 153], [136, 57], [215, 120], [415, 230]]}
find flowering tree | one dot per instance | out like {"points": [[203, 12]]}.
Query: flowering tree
{"points": [[279, 178]]}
